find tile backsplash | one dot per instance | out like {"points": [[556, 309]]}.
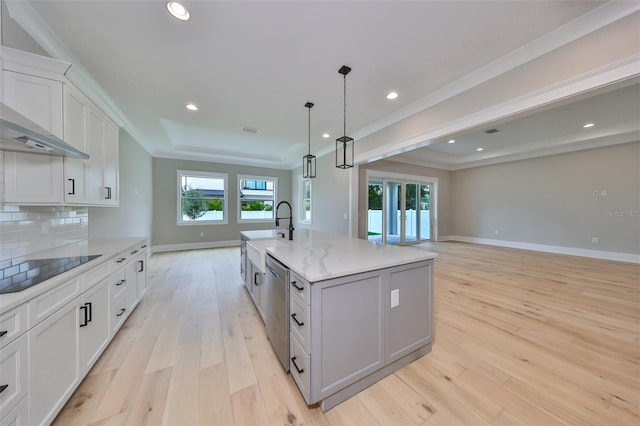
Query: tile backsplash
{"points": [[27, 230]]}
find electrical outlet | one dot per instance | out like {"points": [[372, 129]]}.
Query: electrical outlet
{"points": [[594, 240], [44, 228], [496, 232], [395, 297], [346, 216], [594, 193], [603, 193], [202, 234]]}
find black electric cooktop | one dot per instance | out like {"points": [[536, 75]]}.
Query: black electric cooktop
{"points": [[18, 275]]}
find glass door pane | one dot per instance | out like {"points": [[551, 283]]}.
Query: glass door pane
{"points": [[374, 217], [425, 212], [393, 209], [412, 204]]}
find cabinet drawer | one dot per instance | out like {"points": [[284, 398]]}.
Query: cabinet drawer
{"points": [[95, 275], [299, 321], [300, 287], [13, 374], [12, 324], [118, 313], [46, 304], [18, 416], [300, 362], [119, 261], [118, 284]]}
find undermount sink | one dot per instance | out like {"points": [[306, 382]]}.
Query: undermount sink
{"points": [[257, 249]]}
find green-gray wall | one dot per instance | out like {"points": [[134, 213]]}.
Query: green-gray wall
{"points": [[134, 216], [550, 200], [166, 232]]}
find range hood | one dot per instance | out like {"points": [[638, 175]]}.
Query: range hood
{"points": [[19, 134]]}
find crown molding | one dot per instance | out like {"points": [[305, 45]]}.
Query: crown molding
{"points": [[592, 21]]}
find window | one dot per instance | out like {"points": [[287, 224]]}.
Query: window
{"points": [[256, 202], [201, 198], [305, 198]]}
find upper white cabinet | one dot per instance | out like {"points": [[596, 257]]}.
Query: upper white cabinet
{"points": [[36, 87], [93, 181], [31, 178]]}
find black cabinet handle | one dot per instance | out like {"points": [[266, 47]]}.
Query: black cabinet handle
{"points": [[144, 246], [121, 312], [293, 283], [300, 324], [73, 187], [122, 259], [134, 251], [119, 283], [300, 370], [255, 278], [3, 332], [141, 262], [108, 188], [84, 319], [3, 387]]}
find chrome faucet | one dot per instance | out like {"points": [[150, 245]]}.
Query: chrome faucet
{"points": [[290, 218]]}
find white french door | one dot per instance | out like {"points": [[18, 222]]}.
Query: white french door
{"points": [[399, 211]]}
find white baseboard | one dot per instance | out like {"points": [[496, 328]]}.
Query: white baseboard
{"points": [[195, 246], [597, 254]]}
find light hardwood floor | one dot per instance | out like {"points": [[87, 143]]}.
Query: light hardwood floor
{"points": [[520, 338]]}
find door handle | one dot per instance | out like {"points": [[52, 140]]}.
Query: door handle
{"points": [[73, 187]]}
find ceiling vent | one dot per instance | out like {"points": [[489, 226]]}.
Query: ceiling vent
{"points": [[491, 131], [249, 129]]}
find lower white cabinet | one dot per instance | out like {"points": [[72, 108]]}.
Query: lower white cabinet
{"points": [[94, 324], [49, 343], [54, 363], [13, 375]]}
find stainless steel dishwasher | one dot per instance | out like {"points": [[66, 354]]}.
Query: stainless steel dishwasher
{"points": [[276, 308]]}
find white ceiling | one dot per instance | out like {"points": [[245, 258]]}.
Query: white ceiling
{"points": [[256, 63]]}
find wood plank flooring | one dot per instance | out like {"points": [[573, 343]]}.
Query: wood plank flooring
{"points": [[520, 338]]}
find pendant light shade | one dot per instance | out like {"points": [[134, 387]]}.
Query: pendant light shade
{"points": [[344, 144], [309, 161]]}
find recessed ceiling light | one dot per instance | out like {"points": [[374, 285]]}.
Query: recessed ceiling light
{"points": [[392, 95], [452, 141], [191, 107], [326, 135], [587, 125], [178, 10], [479, 149]]}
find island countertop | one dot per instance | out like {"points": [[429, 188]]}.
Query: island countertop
{"points": [[319, 256]]}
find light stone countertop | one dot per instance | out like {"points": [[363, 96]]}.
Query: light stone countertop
{"points": [[262, 234], [107, 248], [319, 256]]}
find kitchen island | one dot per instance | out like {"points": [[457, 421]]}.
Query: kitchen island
{"points": [[357, 311]]}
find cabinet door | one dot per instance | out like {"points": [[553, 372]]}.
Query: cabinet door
{"points": [[32, 178], [410, 325], [132, 284], [75, 131], [110, 163], [95, 143], [141, 281], [54, 360], [94, 324], [347, 329], [13, 374]]}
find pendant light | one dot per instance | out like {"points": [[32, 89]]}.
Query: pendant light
{"points": [[344, 144], [309, 161]]}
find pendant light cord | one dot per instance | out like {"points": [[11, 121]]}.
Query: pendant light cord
{"points": [[345, 105], [309, 131]]}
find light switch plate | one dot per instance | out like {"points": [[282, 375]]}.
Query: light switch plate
{"points": [[395, 298]]}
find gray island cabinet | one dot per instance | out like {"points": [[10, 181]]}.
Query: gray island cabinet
{"points": [[358, 311]]}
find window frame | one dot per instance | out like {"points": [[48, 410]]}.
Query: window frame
{"points": [[302, 211], [204, 175], [274, 179]]}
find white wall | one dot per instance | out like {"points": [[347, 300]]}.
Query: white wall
{"points": [[550, 200]]}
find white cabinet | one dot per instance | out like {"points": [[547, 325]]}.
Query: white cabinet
{"points": [[93, 181], [31, 178], [42, 94], [54, 363], [13, 375], [94, 324]]}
